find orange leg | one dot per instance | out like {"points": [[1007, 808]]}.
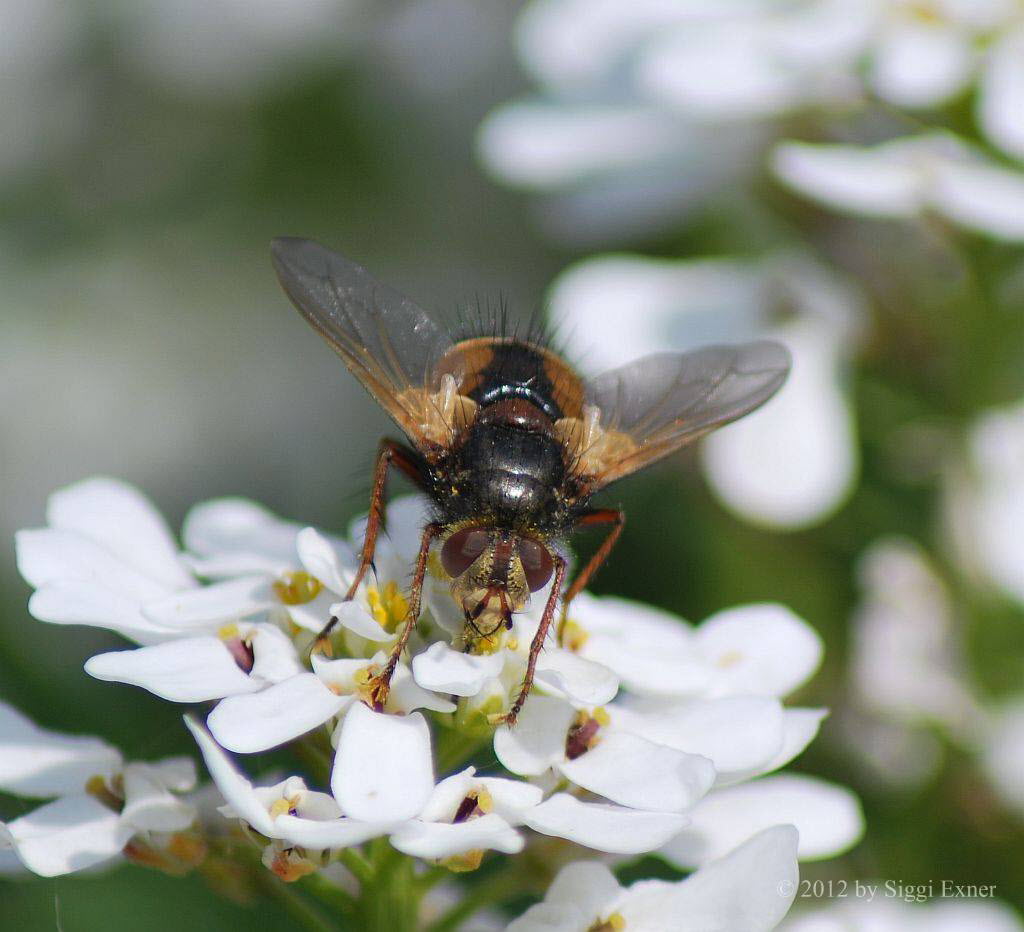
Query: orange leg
{"points": [[382, 682], [390, 453], [593, 518], [509, 718]]}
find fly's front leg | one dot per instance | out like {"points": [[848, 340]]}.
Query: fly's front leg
{"points": [[391, 453], [381, 684], [509, 718], [598, 516]]}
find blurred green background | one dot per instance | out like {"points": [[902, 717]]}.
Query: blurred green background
{"points": [[143, 335]]}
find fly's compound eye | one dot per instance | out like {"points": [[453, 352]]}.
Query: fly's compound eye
{"points": [[461, 550], [537, 563]]}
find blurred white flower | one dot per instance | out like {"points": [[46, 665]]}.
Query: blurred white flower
{"points": [[100, 805], [751, 888], [792, 462], [984, 502], [888, 914], [906, 661], [907, 178], [1002, 752]]}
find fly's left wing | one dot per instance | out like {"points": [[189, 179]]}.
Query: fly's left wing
{"points": [[649, 408], [390, 344]]}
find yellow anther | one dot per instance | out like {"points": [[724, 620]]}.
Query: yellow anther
{"points": [[484, 801], [389, 606], [614, 923], [601, 716], [465, 862], [281, 807], [574, 635], [297, 588], [729, 659], [228, 632], [98, 788], [512, 644]]}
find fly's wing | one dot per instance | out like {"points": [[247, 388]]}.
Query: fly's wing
{"points": [[392, 346], [649, 408]]}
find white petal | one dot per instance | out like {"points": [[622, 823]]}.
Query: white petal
{"points": [[986, 198], [274, 657], [255, 539], [919, 64], [827, 816], [649, 650], [737, 733], [635, 772], [511, 798], [123, 520], [453, 672], [443, 839], [187, 670], [795, 460], [407, 695], [69, 834], [236, 789], [551, 917], [850, 178], [274, 715], [356, 617], [37, 762], [81, 602], [605, 828], [538, 739], [331, 561], [799, 728], [763, 649], [209, 605], [176, 773], [751, 888], [383, 770], [448, 795], [589, 885], [1001, 94], [539, 145], [333, 833], [48, 555], [583, 681], [149, 805]]}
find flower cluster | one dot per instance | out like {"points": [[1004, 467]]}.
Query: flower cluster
{"points": [[642, 734], [649, 109]]}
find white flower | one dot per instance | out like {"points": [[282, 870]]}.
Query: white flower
{"points": [[105, 555], [788, 464], [985, 501], [101, 804], [906, 178], [589, 749], [750, 889], [886, 914], [458, 818], [1002, 752], [905, 658], [761, 649], [828, 817]]}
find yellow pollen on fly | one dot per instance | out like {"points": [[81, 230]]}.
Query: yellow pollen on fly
{"points": [[297, 588], [389, 606]]}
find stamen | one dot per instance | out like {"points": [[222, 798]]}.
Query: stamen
{"points": [[583, 733], [297, 588]]}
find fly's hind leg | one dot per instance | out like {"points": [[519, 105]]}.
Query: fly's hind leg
{"points": [[390, 453], [596, 517]]}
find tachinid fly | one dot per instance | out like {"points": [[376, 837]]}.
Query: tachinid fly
{"points": [[506, 440]]}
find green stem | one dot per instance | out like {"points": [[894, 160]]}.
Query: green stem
{"points": [[456, 749], [304, 913], [488, 892], [330, 894], [360, 867], [390, 901]]}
